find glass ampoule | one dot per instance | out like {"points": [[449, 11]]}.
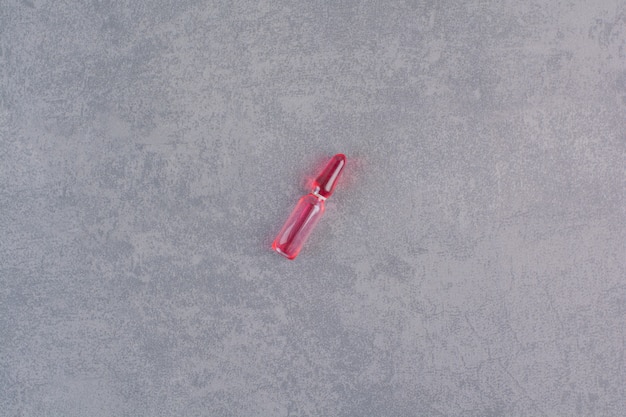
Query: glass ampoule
{"points": [[309, 210]]}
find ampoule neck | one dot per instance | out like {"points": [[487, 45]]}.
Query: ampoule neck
{"points": [[316, 193]]}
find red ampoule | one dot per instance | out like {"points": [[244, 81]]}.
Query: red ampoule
{"points": [[309, 210]]}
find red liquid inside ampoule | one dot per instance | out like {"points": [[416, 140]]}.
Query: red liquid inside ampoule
{"points": [[299, 226], [309, 210]]}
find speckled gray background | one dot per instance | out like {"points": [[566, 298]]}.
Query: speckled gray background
{"points": [[472, 261]]}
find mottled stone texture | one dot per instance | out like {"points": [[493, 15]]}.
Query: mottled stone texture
{"points": [[472, 261]]}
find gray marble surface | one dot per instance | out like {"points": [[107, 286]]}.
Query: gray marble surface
{"points": [[472, 261]]}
